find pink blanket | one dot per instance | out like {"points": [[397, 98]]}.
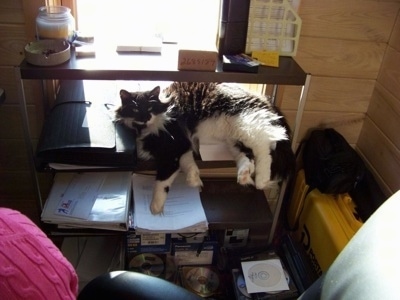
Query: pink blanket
{"points": [[31, 266]]}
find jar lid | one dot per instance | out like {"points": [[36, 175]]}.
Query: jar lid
{"points": [[54, 11]]}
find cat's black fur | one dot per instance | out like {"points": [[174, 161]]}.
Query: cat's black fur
{"points": [[168, 130]]}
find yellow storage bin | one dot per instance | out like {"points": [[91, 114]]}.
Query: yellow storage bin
{"points": [[300, 191], [326, 224]]}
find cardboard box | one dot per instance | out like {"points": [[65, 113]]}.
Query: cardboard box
{"points": [[194, 252], [190, 58], [150, 242]]}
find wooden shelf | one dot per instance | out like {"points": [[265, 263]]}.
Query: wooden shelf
{"points": [[230, 205], [158, 67], [75, 90], [227, 204]]}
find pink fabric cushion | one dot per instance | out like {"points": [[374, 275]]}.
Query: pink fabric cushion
{"points": [[31, 266]]}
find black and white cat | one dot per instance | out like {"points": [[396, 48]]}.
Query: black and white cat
{"points": [[171, 123]]}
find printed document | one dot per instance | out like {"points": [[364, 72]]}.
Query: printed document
{"points": [[183, 210]]}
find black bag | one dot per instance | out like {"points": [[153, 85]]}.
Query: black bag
{"points": [[330, 163]]}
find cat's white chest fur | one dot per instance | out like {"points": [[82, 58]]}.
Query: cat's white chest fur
{"points": [[153, 126]]}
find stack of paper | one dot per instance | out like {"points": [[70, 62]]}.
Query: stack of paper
{"points": [[139, 45], [90, 200], [183, 210]]}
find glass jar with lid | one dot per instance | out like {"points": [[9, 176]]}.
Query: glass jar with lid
{"points": [[55, 22]]}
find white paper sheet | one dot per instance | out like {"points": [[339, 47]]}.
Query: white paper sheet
{"points": [[214, 152], [183, 210]]}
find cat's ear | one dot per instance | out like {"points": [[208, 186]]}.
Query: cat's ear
{"points": [[125, 96], [155, 92]]}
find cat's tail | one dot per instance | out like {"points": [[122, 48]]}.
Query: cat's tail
{"points": [[283, 161]]}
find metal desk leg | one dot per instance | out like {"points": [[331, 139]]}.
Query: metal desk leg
{"points": [[27, 137], [282, 191]]}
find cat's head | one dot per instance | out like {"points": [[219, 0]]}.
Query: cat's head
{"points": [[140, 108]]}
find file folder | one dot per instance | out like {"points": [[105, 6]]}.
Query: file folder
{"points": [[83, 133]]}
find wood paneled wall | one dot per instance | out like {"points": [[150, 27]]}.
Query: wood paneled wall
{"points": [[379, 141], [15, 180], [342, 44], [347, 46]]}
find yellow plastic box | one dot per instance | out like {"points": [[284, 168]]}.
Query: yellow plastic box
{"points": [[296, 205], [326, 224]]}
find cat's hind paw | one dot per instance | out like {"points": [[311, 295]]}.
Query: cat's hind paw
{"points": [[245, 179], [262, 181], [245, 172]]}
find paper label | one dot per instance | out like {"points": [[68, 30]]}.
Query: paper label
{"points": [[153, 239], [267, 58]]}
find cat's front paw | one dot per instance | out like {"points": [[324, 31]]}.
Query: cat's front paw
{"points": [[193, 179], [157, 204], [156, 209]]}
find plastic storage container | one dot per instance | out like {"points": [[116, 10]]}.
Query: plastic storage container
{"points": [[273, 25], [326, 225], [55, 22], [300, 191]]}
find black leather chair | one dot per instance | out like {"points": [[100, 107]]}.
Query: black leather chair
{"points": [[121, 285]]}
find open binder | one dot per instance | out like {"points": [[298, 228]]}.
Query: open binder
{"points": [[80, 132]]}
